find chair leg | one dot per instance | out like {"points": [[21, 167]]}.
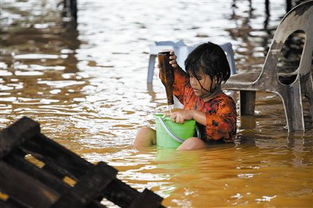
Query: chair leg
{"points": [[308, 92], [247, 103], [292, 102], [151, 68]]}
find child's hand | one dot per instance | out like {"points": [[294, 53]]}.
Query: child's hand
{"points": [[172, 61], [181, 115], [173, 58]]}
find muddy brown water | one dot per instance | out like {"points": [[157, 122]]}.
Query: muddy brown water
{"points": [[86, 85]]}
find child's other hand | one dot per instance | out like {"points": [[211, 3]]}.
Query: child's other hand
{"points": [[173, 58], [181, 115]]}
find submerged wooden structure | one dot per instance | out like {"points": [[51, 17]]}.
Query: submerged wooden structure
{"points": [[37, 172]]}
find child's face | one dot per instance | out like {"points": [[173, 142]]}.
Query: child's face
{"points": [[201, 84]]}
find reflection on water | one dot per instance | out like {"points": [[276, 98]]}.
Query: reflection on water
{"points": [[86, 85]]}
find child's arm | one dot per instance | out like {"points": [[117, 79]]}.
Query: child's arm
{"points": [[220, 121], [180, 115]]}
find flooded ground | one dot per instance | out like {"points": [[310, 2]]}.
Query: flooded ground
{"points": [[86, 85]]}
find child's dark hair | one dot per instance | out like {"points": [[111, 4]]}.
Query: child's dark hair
{"points": [[211, 59]]}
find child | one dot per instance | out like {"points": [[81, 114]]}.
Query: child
{"points": [[199, 90]]}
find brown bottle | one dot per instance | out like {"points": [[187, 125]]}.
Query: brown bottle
{"points": [[166, 75]]}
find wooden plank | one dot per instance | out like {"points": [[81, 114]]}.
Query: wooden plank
{"points": [[56, 156], [89, 187], [120, 193], [15, 134], [95, 204], [44, 177], [11, 204], [147, 199], [33, 171], [42, 187], [23, 188], [65, 162], [55, 170], [95, 181], [4, 204]]}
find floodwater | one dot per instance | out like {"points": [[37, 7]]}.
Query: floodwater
{"points": [[86, 85]]}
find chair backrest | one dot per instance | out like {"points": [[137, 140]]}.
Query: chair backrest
{"points": [[182, 50], [300, 18], [227, 48]]}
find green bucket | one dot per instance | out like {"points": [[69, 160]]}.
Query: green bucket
{"points": [[170, 134]]}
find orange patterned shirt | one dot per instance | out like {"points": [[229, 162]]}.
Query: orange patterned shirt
{"points": [[220, 110]]}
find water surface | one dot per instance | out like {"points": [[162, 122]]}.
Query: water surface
{"points": [[86, 85]]}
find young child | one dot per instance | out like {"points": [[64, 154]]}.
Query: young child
{"points": [[199, 90]]}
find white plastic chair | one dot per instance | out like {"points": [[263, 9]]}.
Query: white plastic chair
{"points": [[182, 51], [300, 18]]}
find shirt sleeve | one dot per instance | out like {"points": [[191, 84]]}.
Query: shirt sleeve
{"points": [[181, 82], [221, 119]]}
